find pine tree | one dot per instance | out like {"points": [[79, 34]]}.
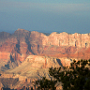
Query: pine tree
{"points": [[77, 77]]}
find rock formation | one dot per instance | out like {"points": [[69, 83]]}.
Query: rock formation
{"points": [[38, 52], [34, 67], [23, 43]]}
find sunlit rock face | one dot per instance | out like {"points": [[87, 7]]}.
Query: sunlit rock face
{"points": [[22, 43], [62, 39], [61, 45]]}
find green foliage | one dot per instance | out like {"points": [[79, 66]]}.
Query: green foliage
{"points": [[45, 84], [77, 77]]}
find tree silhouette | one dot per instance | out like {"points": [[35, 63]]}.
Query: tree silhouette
{"points": [[77, 77], [45, 84]]}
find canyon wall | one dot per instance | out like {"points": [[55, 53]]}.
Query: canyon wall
{"points": [[22, 43], [38, 52]]}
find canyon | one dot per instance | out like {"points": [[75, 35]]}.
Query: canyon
{"points": [[22, 43], [28, 55]]}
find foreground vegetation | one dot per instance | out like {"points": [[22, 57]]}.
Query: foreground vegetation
{"points": [[77, 77]]}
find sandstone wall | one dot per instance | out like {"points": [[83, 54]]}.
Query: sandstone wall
{"points": [[62, 39], [23, 43]]}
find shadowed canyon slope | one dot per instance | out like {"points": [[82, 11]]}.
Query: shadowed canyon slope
{"points": [[22, 43]]}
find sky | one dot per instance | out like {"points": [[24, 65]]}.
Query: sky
{"points": [[47, 16]]}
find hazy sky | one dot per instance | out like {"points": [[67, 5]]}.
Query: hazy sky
{"points": [[45, 15]]}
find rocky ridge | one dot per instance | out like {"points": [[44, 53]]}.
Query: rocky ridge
{"points": [[23, 43]]}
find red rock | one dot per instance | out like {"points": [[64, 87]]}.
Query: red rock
{"points": [[23, 43]]}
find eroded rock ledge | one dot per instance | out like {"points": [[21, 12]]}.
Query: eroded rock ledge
{"points": [[23, 43]]}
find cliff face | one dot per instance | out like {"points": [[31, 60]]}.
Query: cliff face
{"points": [[16, 46], [23, 43], [61, 45], [62, 39]]}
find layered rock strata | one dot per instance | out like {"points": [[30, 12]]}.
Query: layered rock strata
{"points": [[33, 68], [23, 43]]}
